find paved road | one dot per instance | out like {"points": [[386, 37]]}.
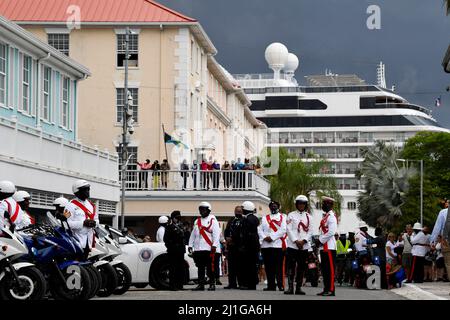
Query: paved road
{"points": [[342, 293]]}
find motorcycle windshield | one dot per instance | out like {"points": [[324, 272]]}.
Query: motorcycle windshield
{"points": [[52, 220]]}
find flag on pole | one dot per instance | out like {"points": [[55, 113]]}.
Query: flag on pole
{"points": [[169, 139], [437, 102]]}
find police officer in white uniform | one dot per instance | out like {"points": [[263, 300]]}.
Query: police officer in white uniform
{"points": [[421, 245], [272, 236], [299, 234], [204, 242], [23, 198], [82, 215], [328, 228], [60, 204], [15, 217], [163, 220]]}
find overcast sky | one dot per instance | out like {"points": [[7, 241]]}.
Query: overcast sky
{"points": [[332, 34]]}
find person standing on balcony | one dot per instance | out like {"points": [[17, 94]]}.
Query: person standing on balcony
{"points": [[240, 175], [226, 175], [194, 169], [143, 173], [165, 166], [156, 168], [184, 167], [204, 175], [215, 175], [249, 167], [233, 175]]}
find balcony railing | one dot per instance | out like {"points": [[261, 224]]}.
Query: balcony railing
{"points": [[213, 180]]}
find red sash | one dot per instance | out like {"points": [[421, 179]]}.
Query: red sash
{"points": [[203, 230], [303, 226], [324, 228], [272, 226], [13, 216], [89, 215], [32, 220]]}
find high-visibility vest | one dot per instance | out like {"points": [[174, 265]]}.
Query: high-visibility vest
{"points": [[340, 247]]}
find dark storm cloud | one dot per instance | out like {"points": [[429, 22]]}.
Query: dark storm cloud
{"points": [[332, 34]]}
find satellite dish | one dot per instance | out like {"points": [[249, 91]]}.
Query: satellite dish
{"points": [[276, 56]]}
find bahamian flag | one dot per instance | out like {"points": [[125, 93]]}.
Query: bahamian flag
{"points": [[169, 139]]}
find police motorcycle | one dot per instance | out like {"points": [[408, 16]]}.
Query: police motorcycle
{"points": [[124, 277], [18, 280], [108, 275], [59, 257]]}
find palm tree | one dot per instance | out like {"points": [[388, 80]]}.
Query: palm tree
{"points": [[297, 177], [385, 186]]}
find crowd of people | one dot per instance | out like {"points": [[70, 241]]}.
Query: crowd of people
{"points": [[284, 247], [206, 175]]}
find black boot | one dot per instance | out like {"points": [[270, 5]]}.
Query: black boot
{"points": [[212, 285], [290, 289], [298, 290]]}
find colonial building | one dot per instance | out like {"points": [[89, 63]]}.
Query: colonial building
{"points": [[174, 80], [38, 125]]}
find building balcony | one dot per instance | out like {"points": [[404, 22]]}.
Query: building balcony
{"points": [[210, 182]]}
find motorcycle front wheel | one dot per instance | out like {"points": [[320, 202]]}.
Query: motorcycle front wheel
{"points": [[77, 285], [31, 285], [124, 278], [109, 280]]}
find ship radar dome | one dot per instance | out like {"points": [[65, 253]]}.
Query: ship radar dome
{"points": [[291, 64]]}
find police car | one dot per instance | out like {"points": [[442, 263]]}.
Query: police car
{"points": [[148, 262]]}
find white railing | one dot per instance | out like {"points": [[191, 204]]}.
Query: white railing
{"points": [[212, 180], [28, 145]]}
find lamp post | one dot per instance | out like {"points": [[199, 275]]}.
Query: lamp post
{"points": [[421, 184]]}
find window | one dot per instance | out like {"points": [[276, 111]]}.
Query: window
{"points": [[65, 103], [193, 60], [120, 103], [46, 94], [59, 41], [351, 205], [2, 74], [26, 89], [133, 50]]}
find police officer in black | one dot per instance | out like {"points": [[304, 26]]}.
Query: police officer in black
{"points": [[174, 241], [234, 242], [249, 250]]}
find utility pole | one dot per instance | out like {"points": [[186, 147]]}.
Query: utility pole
{"points": [[421, 192], [127, 128]]}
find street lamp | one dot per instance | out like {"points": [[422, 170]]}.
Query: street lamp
{"points": [[421, 185]]}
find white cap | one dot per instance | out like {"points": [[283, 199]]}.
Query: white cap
{"points": [[20, 196], [342, 232], [362, 224], [7, 187], [205, 204], [301, 198], [79, 184], [163, 219], [248, 206], [417, 226], [61, 201]]}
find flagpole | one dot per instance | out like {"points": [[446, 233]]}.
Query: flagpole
{"points": [[165, 144]]}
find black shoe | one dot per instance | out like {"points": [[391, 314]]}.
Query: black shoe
{"points": [[212, 287], [290, 290], [299, 291], [322, 293], [269, 289], [280, 288], [230, 287], [328, 294], [218, 282], [200, 287]]}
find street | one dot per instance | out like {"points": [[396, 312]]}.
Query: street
{"points": [[342, 293]]}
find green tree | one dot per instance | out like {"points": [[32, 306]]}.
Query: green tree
{"points": [[297, 177], [385, 183], [434, 149]]}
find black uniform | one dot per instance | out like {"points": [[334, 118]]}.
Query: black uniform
{"points": [[174, 241], [233, 231], [249, 251]]}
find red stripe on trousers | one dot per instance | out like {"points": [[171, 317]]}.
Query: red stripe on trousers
{"points": [[330, 257], [412, 269]]}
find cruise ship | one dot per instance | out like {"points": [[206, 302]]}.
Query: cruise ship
{"points": [[332, 116]]}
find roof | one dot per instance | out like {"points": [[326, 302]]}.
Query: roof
{"points": [[15, 34], [90, 11]]}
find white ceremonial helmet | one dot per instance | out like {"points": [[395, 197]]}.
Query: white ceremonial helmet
{"points": [[417, 226], [163, 219], [61, 201], [301, 198], [7, 187], [248, 206], [20, 196], [79, 184], [205, 204]]}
